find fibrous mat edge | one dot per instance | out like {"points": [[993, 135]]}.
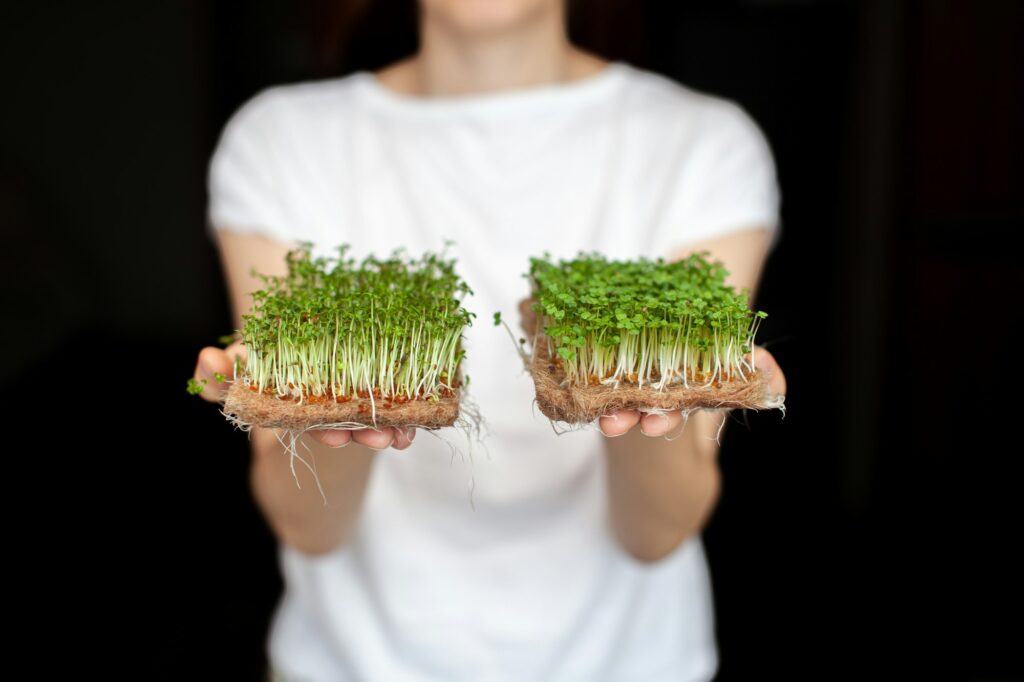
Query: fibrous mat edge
{"points": [[580, 404], [269, 411]]}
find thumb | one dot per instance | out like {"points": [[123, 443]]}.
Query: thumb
{"points": [[765, 362], [215, 370]]}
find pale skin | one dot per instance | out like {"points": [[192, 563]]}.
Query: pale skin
{"points": [[661, 491]]}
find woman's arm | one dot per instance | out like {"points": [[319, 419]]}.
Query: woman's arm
{"points": [[661, 492], [297, 516]]}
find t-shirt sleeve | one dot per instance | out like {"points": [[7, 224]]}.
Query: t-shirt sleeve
{"points": [[727, 183], [244, 179]]}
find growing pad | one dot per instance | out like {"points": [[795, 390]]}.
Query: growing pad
{"points": [[582, 404], [270, 411]]}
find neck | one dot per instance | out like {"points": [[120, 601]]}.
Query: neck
{"points": [[451, 62]]}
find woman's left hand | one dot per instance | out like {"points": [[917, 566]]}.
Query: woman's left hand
{"points": [[657, 425]]}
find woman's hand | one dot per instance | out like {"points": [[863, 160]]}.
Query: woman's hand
{"points": [[657, 425], [213, 361]]}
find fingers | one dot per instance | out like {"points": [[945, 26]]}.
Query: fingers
{"points": [[332, 438], [618, 423], [378, 439], [403, 437], [766, 362], [398, 438], [657, 425], [651, 424], [213, 361]]}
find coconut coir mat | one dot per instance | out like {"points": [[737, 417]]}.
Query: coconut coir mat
{"points": [[583, 404], [267, 410]]}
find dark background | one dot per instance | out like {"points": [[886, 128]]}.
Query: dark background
{"points": [[872, 533]]}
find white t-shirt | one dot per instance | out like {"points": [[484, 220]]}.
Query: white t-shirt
{"points": [[529, 585]]}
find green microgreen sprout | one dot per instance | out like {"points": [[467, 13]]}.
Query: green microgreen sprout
{"points": [[336, 329], [648, 323], [196, 387]]}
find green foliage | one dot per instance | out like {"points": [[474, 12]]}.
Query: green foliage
{"points": [[643, 321], [333, 327], [196, 387]]}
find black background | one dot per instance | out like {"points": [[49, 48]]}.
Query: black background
{"points": [[872, 533]]}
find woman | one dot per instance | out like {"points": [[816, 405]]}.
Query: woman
{"points": [[581, 557]]}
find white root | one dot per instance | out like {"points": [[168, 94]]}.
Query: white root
{"points": [[470, 423]]}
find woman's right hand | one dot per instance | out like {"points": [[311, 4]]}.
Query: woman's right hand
{"points": [[213, 360]]}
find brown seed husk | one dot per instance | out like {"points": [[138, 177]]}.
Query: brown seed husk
{"points": [[266, 410], [584, 404]]}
